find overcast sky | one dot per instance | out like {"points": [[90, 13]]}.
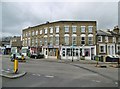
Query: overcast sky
{"points": [[19, 15]]}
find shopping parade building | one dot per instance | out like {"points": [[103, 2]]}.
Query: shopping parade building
{"points": [[65, 39]]}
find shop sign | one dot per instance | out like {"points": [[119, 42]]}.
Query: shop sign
{"points": [[56, 46], [50, 46], [44, 46]]}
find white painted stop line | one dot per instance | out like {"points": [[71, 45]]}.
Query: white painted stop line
{"points": [[38, 75], [49, 76]]}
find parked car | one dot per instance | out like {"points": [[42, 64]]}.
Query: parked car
{"points": [[110, 58], [18, 56], [37, 55]]}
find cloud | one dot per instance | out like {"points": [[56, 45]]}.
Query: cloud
{"points": [[18, 15]]}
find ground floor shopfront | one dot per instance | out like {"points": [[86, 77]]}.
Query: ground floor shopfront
{"points": [[69, 53], [51, 51], [76, 52]]}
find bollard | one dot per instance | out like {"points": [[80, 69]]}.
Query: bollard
{"points": [[23, 58], [15, 65]]}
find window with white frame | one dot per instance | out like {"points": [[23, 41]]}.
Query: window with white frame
{"points": [[23, 43], [90, 29], [28, 41], [57, 29], [45, 30], [41, 42], [40, 31], [66, 28], [102, 48], [66, 39], [106, 38], [90, 40], [45, 40], [82, 40], [82, 28], [32, 33], [99, 38], [36, 32], [118, 48], [83, 36], [23, 35], [74, 39], [118, 39], [51, 29], [29, 33], [74, 29], [114, 39], [26, 34], [36, 42], [32, 41], [51, 40], [56, 40]]}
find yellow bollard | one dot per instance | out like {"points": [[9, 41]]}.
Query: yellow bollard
{"points": [[15, 66], [23, 58]]}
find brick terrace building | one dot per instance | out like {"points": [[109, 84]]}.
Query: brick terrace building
{"points": [[108, 42], [16, 42], [70, 39]]}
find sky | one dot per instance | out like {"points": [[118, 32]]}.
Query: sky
{"points": [[19, 15]]}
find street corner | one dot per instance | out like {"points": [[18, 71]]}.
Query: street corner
{"points": [[114, 66], [101, 66], [10, 74]]}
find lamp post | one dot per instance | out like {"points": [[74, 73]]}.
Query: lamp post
{"points": [[83, 52]]}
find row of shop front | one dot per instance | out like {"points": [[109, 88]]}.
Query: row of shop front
{"points": [[66, 52]]}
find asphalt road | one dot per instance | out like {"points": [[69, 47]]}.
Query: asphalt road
{"points": [[51, 74]]}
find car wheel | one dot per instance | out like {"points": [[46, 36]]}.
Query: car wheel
{"points": [[35, 57]]}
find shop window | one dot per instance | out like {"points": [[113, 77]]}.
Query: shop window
{"points": [[81, 52], [87, 52], [63, 52], [73, 51], [76, 52], [68, 53]]}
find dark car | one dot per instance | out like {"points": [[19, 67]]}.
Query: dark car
{"points": [[37, 55]]}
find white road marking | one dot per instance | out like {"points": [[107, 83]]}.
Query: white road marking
{"points": [[96, 81], [8, 69], [49, 76], [116, 83], [38, 74], [33, 74]]}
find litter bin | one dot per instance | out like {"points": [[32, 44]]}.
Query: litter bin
{"points": [[97, 58]]}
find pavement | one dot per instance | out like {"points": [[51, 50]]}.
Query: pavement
{"points": [[10, 74], [100, 64]]}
